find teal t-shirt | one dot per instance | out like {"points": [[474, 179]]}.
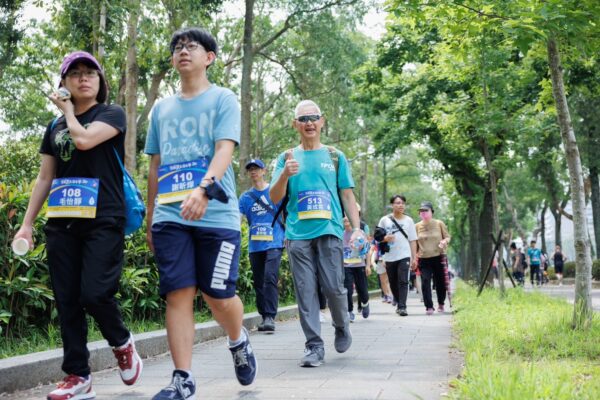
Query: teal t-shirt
{"points": [[314, 205], [183, 130]]}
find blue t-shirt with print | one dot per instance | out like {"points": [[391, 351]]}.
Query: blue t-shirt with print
{"points": [[535, 256], [314, 187], [186, 130], [262, 233]]}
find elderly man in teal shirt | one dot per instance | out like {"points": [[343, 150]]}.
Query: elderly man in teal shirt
{"points": [[318, 182]]}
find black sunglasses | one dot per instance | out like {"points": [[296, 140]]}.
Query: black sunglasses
{"points": [[305, 118]]}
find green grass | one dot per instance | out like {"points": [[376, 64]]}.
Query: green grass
{"points": [[522, 347], [48, 339]]}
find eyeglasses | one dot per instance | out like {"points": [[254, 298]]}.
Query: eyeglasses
{"points": [[77, 74], [189, 46], [305, 118]]}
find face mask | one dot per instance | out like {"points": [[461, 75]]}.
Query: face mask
{"points": [[425, 215]]}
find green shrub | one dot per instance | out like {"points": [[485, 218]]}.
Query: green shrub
{"points": [[26, 301], [569, 269], [551, 274]]}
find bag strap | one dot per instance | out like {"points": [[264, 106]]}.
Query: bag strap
{"points": [[260, 201], [398, 226], [288, 155], [335, 159], [119, 159], [53, 124]]}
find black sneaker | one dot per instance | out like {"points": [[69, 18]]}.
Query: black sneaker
{"points": [[182, 387], [269, 325], [244, 361], [313, 356], [343, 339], [402, 312]]}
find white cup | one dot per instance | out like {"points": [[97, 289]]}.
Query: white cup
{"points": [[20, 246]]}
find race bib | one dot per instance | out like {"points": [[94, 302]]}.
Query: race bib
{"points": [[73, 198], [262, 232], [176, 181], [314, 204]]}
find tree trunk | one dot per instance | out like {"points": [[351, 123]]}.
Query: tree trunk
{"points": [[131, 86], [364, 176], [513, 212], [473, 263], [260, 106], [557, 226], [151, 97], [246, 92], [384, 195], [494, 200], [101, 31], [485, 230], [595, 206], [543, 227], [582, 314]]}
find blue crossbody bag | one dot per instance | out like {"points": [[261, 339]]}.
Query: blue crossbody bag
{"points": [[135, 209]]}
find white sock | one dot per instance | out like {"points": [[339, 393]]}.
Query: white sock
{"points": [[241, 339]]}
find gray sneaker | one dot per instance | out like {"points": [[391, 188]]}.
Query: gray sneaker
{"points": [[343, 339], [313, 356], [269, 325]]}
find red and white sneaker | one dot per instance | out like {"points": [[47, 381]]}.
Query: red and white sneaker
{"points": [[130, 363], [73, 387]]}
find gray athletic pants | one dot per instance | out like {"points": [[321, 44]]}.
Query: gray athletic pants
{"points": [[322, 256]]}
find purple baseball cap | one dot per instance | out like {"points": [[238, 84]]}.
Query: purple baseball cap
{"points": [[78, 56]]}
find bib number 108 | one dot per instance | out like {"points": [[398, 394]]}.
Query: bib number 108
{"points": [[70, 192]]}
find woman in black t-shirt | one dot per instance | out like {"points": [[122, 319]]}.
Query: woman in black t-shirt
{"points": [[83, 181]]}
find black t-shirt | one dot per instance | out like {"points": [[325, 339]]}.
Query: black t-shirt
{"points": [[558, 259], [99, 162]]}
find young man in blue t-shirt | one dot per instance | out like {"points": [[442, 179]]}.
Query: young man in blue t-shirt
{"points": [[317, 180], [265, 243], [193, 216], [534, 258]]}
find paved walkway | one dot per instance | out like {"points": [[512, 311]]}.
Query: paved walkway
{"points": [[391, 357], [568, 292]]}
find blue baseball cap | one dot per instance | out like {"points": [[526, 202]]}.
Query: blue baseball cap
{"points": [[257, 162]]}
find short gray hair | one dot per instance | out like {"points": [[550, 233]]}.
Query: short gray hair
{"points": [[305, 103]]}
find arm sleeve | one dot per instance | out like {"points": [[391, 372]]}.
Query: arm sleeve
{"points": [[152, 143], [114, 115], [445, 233], [46, 147], [278, 168], [412, 231], [345, 180], [228, 124]]}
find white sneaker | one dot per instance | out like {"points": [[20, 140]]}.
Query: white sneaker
{"points": [[73, 387], [130, 363], [322, 316]]}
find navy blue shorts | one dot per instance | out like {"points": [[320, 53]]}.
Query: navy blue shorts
{"points": [[207, 258]]}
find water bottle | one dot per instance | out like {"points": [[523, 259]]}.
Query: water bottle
{"points": [[359, 248]]}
